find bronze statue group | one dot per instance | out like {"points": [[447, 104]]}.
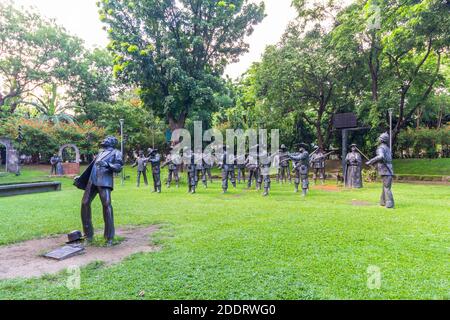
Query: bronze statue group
{"points": [[98, 178]]}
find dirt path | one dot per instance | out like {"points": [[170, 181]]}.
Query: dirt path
{"points": [[24, 260]]}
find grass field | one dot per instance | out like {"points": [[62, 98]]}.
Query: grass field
{"points": [[437, 167], [244, 246]]}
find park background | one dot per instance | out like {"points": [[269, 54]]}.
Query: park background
{"points": [[163, 69]]}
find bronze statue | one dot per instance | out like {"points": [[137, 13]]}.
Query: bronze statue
{"points": [[284, 171], [317, 162], [301, 168], [141, 163], [172, 163], [155, 159], [98, 179], [228, 173], [56, 163], [383, 160], [353, 168]]}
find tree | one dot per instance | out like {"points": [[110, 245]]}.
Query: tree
{"points": [[33, 51], [176, 51], [303, 75], [403, 51]]}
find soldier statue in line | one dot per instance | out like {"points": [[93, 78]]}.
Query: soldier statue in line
{"points": [[252, 164], [284, 171], [353, 168], [141, 164], [172, 163], [98, 179], [317, 162], [301, 168], [191, 170], [227, 166], [155, 159], [265, 166], [200, 170], [240, 164], [383, 160], [208, 162]]}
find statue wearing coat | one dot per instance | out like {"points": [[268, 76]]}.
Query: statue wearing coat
{"points": [[353, 161], [99, 179]]}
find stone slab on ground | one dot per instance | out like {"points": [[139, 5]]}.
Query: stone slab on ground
{"points": [[26, 260]]}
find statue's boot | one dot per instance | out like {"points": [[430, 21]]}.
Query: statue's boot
{"points": [[304, 193], [109, 243], [296, 189], [266, 192]]}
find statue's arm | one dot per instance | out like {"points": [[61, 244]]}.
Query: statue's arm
{"points": [[117, 164], [379, 157]]}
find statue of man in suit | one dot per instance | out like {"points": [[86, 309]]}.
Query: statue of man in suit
{"points": [[99, 179]]}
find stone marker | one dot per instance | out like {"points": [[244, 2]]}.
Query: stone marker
{"points": [[65, 252]]}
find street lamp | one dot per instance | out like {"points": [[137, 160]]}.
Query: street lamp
{"points": [[391, 111], [122, 121]]}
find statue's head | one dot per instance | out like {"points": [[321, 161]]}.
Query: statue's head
{"points": [[384, 138], [353, 147], [109, 141], [141, 153], [283, 147], [303, 147]]}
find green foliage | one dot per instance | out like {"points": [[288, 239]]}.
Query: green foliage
{"points": [[43, 139], [175, 52], [424, 142]]}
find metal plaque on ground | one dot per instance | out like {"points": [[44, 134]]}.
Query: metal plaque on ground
{"points": [[65, 252]]}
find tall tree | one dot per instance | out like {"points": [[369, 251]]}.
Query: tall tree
{"points": [[33, 51], [176, 50]]}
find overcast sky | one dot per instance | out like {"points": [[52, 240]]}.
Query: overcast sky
{"points": [[80, 18]]}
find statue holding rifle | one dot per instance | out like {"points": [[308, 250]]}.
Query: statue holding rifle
{"points": [[301, 168]]}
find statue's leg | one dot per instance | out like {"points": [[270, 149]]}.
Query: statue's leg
{"points": [[233, 178], [387, 185], [305, 184], [224, 180], [289, 173], [322, 175], [297, 180], [169, 178], [108, 216], [383, 194], [138, 178], [177, 177], [86, 212], [144, 173], [158, 180]]}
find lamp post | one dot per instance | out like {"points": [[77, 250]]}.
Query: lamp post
{"points": [[122, 121], [391, 111]]}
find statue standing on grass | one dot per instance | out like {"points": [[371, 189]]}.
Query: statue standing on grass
{"points": [[227, 166], [353, 168], [301, 168], [141, 163], [172, 162], [252, 164], [191, 170], [284, 172], [383, 160], [56, 163], [318, 165], [155, 159], [98, 179]]}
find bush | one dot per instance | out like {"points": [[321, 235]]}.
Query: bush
{"points": [[424, 143], [42, 139]]}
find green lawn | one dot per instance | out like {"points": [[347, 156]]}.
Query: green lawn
{"points": [[244, 246], [433, 167]]}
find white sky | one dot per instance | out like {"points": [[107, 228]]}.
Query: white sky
{"points": [[80, 18]]}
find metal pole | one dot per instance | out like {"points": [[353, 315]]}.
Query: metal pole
{"points": [[391, 111], [121, 148], [344, 151]]}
